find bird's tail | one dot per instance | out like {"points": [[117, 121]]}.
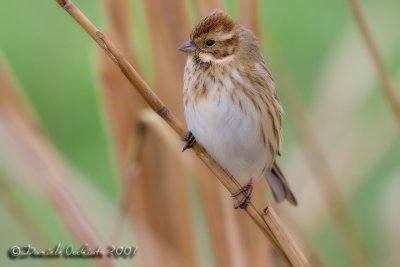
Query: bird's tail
{"points": [[279, 186]]}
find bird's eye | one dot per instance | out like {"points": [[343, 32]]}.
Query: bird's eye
{"points": [[210, 42]]}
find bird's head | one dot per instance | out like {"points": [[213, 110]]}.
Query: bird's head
{"points": [[217, 38]]}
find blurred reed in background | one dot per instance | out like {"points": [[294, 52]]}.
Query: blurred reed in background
{"points": [[83, 160]]}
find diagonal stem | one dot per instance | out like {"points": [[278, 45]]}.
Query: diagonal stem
{"points": [[388, 88], [269, 222]]}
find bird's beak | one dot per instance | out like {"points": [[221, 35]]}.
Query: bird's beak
{"points": [[188, 47]]}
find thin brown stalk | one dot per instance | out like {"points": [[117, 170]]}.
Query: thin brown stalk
{"points": [[388, 88], [269, 222]]}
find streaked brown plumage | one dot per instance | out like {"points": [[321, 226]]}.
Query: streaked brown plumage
{"points": [[231, 106]]}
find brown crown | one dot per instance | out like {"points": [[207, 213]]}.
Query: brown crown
{"points": [[217, 19]]}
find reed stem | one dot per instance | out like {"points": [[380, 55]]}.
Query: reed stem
{"points": [[388, 88]]}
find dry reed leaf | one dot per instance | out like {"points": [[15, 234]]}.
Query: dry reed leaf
{"points": [[153, 122], [31, 157], [161, 205]]}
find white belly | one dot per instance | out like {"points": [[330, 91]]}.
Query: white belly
{"points": [[230, 135]]}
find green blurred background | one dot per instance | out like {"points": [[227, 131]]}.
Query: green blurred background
{"points": [[54, 62]]}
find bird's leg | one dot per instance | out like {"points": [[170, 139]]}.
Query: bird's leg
{"points": [[189, 139], [247, 190]]}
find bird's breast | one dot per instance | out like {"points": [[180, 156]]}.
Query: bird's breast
{"points": [[225, 122]]}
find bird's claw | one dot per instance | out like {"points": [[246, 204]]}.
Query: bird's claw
{"points": [[244, 202], [190, 140]]}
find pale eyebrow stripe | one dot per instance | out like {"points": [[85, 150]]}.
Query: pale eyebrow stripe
{"points": [[226, 36]]}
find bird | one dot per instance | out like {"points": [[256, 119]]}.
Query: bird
{"points": [[231, 106]]}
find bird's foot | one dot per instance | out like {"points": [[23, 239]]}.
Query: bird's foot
{"points": [[190, 140], [244, 202]]}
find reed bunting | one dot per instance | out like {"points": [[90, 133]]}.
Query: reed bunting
{"points": [[231, 106]]}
